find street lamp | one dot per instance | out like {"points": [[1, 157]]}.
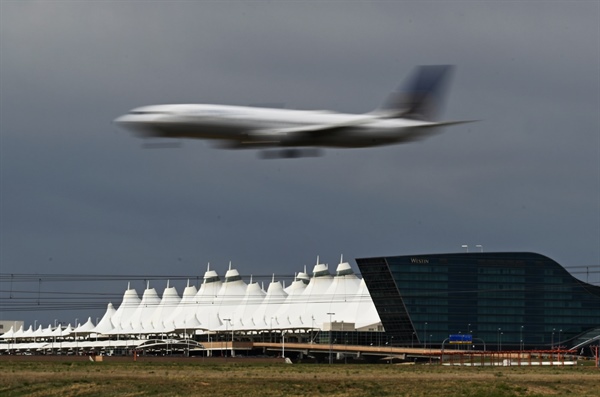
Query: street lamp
{"points": [[425, 337], [282, 344], [466, 247], [480, 247], [226, 324], [345, 348], [559, 338], [76, 341], [499, 346], [521, 338], [330, 345]]}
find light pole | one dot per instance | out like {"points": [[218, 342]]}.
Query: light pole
{"points": [[282, 344], [425, 337], [330, 330], [232, 350], [466, 247], [471, 337], [552, 347], [345, 348], [226, 324], [499, 346], [185, 337], [559, 338], [76, 341], [480, 247], [521, 340]]}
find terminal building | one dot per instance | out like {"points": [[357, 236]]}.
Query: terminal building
{"points": [[486, 301], [504, 301]]}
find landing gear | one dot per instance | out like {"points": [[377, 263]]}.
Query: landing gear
{"points": [[289, 153]]}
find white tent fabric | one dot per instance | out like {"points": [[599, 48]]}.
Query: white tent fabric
{"points": [[121, 319], [18, 333], [365, 312], [85, 329], [310, 308], [46, 332], [9, 334], [140, 320], [249, 305], [271, 303], [170, 300], [28, 333], [228, 300], [185, 308], [205, 308], [232, 305], [105, 325]]}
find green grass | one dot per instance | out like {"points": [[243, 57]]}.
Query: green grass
{"points": [[193, 377]]}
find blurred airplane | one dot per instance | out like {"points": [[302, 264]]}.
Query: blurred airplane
{"points": [[406, 116]]}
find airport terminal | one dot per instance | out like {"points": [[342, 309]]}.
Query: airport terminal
{"points": [[405, 307]]}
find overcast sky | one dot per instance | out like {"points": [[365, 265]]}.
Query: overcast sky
{"points": [[78, 195]]}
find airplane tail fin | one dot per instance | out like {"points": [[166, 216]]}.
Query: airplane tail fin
{"points": [[420, 96]]}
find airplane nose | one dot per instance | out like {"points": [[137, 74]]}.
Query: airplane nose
{"points": [[124, 119]]}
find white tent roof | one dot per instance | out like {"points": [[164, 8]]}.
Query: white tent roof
{"points": [[229, 297], [366, 313], [185, 307], [105, 325], [304, 304], [310, 308], [169, 302], [121, 320], [206, 302], [248, 306], [86, 328], [141, 318], [28, 333], [9, 334], [47, 332], [273, 300]]}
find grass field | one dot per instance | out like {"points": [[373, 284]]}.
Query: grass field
{"points": [[238, 378]]}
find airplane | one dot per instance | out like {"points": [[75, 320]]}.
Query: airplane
{"points": [[407, 115]]}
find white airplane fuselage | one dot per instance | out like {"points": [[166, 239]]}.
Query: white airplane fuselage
{"points": [[407, 115], [240, 126]]}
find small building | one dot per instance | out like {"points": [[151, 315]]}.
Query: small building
{"points": [[6, 325]]}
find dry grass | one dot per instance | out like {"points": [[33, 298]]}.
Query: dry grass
{"points": [[192, 377]]}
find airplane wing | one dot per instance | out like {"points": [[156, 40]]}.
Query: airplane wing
{"points": [[277, 135], [305, 131]]}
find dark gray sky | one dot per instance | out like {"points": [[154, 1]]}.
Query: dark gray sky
{"points": [[80, 196]]}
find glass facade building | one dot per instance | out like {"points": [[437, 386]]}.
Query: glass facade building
{"points": [[507, 301]]}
